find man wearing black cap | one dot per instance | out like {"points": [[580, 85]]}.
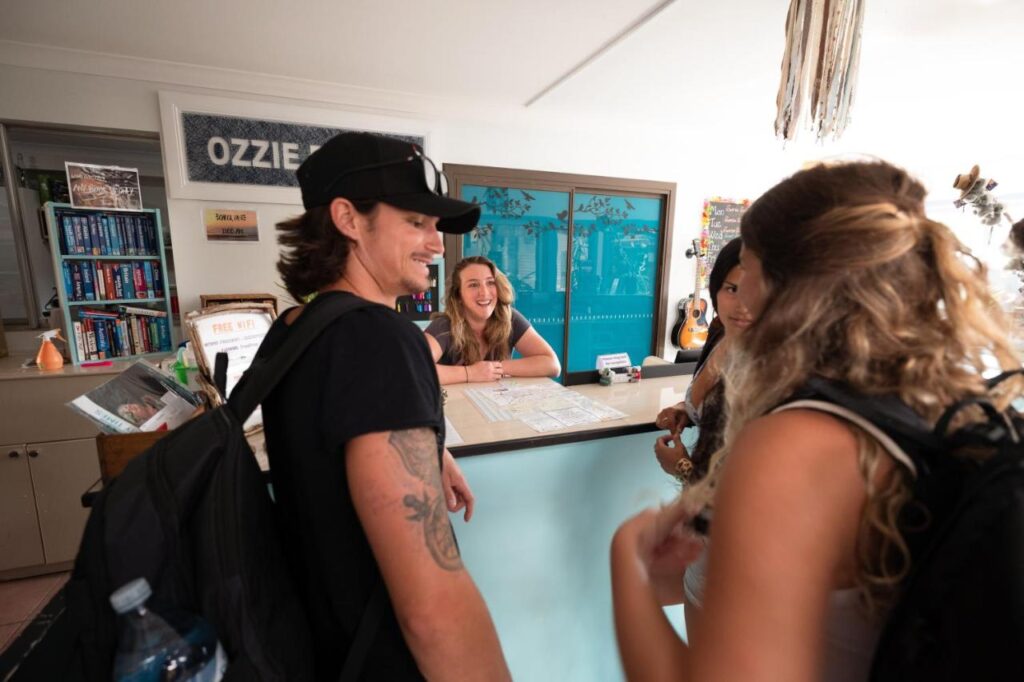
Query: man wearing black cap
{"points": [[355, 433]]}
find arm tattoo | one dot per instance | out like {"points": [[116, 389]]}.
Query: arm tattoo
{"points": [[437, 529], [417, 449]]}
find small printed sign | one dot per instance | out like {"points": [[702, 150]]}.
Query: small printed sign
{"points": [[231, 225], [110, 187]]}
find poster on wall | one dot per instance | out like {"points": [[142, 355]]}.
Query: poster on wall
{"points": [[231, 225], [720, 224], [109, 187]]}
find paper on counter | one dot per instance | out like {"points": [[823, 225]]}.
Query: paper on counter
{"points": [[540, 422], [573, 416], [451, 436]]}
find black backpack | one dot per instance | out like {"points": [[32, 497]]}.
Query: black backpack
{"points": [[194, 517], [959, 614]]}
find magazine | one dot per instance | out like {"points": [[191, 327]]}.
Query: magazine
{"points": [[141, 398]]}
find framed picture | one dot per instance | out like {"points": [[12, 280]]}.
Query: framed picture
{"points": [[107, 187]]}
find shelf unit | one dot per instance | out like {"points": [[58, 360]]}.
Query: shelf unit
{"points": [[124, 333]]}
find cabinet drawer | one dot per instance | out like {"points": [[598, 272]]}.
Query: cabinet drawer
{"points": [[34, 411]]}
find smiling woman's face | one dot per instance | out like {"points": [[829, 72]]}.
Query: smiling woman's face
{"points": [[478, 291]]}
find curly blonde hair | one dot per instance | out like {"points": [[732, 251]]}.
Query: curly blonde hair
{"points": [[863, 288], [498, 329]]}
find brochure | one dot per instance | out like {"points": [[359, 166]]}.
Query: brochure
{"points": [[141, 398]]}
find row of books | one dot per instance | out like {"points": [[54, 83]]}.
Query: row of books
{"points": [[102, 334], [107, 234], [111, 280]]}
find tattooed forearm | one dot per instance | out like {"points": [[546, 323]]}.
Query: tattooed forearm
{"points": [[437, 530], [417, 448]]}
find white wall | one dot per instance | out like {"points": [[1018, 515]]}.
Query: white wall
{"points": [[733, 153]]}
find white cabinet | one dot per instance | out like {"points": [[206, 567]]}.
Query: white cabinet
{"points": [[41, 514]]}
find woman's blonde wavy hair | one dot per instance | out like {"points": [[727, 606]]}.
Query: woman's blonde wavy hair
{"points": [[863, 288], [498, 329]]}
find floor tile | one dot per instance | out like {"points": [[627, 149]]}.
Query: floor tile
{"points": [[7, 633], [20, 599]]}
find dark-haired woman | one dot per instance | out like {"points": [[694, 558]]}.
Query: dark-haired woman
{"points": [[850, 281], [703, 404]]}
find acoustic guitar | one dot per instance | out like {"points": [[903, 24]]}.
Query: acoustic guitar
{"points": [[691, 331]]}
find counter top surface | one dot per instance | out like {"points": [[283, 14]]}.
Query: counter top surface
{"points": [[11, 368], [640, 401]]}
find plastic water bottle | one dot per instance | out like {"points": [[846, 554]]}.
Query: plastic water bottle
{"points": [[149, 649]]}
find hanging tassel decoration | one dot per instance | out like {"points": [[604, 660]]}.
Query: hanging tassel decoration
{"points": [[820, 64]]}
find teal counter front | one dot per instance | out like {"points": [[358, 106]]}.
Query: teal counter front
{"points": [[547, 506]]}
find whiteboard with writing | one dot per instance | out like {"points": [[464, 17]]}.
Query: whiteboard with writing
{"points": [[720, 224]]}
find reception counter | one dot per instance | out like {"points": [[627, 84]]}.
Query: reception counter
{"points": [[547, 506]]}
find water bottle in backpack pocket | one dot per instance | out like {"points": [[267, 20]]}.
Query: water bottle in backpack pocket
{"points": [[151, 649]]}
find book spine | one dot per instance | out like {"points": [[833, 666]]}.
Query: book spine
{"points": [[108, 277], [68, 230], [76, 280], [133, 248], [136, 336], [138, 280], [164, 329], [76, 222], [147, 273], [101, 284], [132, 310], [102, 344], [94, 234], [88, 286], [158, 281], [115, 243], [69, 287], [90, 338], [76, 330], [126, 277], [126, 339]]}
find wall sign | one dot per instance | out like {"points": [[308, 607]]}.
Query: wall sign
{"points": [[248, 151], [231, 225]]}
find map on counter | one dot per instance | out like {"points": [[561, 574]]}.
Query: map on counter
{"points": [[545, 407]]}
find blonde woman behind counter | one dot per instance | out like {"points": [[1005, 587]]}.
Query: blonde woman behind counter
{"points": [[474, 338]]}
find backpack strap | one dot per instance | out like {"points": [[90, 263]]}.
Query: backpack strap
{"points": [[846, 414], [266, 371], [904, 434]]}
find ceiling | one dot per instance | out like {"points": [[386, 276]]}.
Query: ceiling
{"points": [[683, 66]]}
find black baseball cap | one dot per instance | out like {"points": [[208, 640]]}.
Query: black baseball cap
{"points": [[364, 166]]}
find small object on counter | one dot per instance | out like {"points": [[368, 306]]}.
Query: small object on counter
{"points": [[98, 363], [619, 375], [49, 357]]}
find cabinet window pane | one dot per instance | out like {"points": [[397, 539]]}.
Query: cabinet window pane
{"points": [[12, 299], [525, 232], [615, 246]]}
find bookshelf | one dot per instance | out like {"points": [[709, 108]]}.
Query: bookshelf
{"points": [[112, 282]]}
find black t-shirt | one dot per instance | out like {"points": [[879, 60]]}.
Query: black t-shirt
{"points": [[441, 329], [370, 371]]}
